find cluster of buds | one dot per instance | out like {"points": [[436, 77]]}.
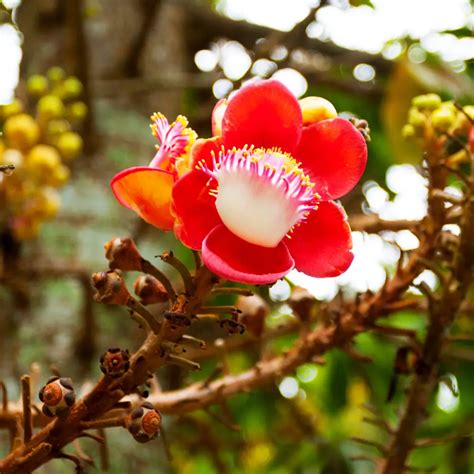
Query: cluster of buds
{"points": [[57, 396], [110, 288], [39, 145], [115, 362], [144, 423], [429, 112]]}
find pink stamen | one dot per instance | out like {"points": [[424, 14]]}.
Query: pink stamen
{"points": [[174, 140], [270, 189]]}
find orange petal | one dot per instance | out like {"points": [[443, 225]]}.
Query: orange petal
{"points": [[147, 191]]}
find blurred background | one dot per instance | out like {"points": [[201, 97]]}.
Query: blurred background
{"points": [[85, 75]]}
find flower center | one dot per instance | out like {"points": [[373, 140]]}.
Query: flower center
{"points": [[175, 141], [261, 194]]}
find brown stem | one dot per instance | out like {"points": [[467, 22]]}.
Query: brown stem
{"points": [[26, 401]]}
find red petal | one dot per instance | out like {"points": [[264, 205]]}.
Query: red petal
{"points": [[203, 149], [334, 153], [194, 208], [322, 245], [234, 259], [147, 191], [264, 114]]}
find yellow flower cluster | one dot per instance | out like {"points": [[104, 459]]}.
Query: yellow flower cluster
{"points": [[429, 112], [40, 145]]}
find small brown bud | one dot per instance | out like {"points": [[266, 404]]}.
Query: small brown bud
{"points": [[57, 396], [302, 302], [110, 288], [363, 127], [144, 423], [254, 311], [115, 362], [232, 327], [150, 290], [123, 254]]}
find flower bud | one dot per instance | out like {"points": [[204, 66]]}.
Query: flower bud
{"points": [[50, 107], [150, 290], [427, 101], [69, 145], [21, 131], [471, 139], [363, 126], [144, 423], [443, 117], [416, 118], [77, 111], [43, 160], [110, 288], [37, 85], [59, 176], [408, 131], [315, 109], [232, 326], [57, 396], [56, 74], [72, 87], [13, 108], [115, 362], [122, 253]]}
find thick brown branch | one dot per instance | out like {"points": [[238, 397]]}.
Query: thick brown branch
{"points": [[442, 311]]}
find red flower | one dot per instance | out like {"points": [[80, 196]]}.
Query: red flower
{"points": [[147, 189], [257, 197], [259, 202]]}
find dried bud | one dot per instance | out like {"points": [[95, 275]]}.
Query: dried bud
{"points": [[254, 311], [150, 290], [144, 423], [232, 327], [177, 319], [110, 288], [115, 362], [123, 254], [302, 302], [57, 396], [363, 127]]}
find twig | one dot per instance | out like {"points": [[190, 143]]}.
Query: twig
{"points": [[149, 268], [169, 258], [26, 401]]}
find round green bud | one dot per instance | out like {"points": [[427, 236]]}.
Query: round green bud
{"points": [[69, 145], [427, 101], [37, 85], [21, 131], [443, 118], [58, 126], [469, 109], [50, 107], [72, 87], [13, 108], [408, 131], [78, 111], [416, 118], [56, 74]]}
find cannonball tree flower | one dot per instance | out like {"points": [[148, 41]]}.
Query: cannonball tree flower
{"points": [[147, 189], [259, 200]]}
